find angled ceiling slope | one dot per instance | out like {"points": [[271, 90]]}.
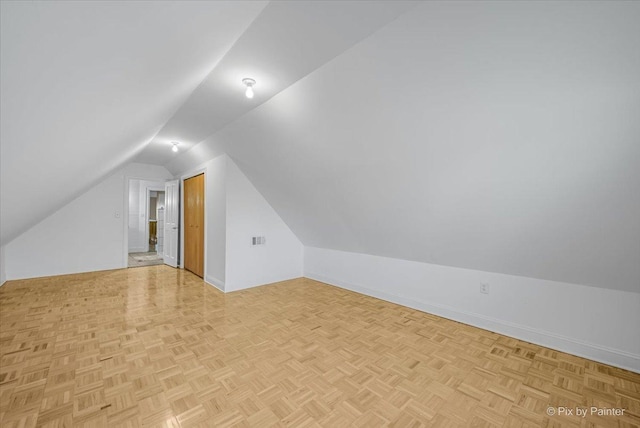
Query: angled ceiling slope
{"points": [[285, 43], [85, 85], [497, 136]]}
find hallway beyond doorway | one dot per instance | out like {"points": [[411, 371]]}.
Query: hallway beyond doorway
{"points": [[144, 259]]}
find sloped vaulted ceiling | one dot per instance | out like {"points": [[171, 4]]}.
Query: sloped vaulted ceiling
{"points": [[88, 86], [499, 136], [85, 85]]}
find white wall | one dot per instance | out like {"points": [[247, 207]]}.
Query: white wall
{"points": [[160, 203], [592, 322], [234, 212], [3, 274], [216, 220], [496, 136], [249, 214], [88, 234], [135, 241]]}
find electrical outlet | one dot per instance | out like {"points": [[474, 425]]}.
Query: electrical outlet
{"points": [[484, 287], [258, 240]]}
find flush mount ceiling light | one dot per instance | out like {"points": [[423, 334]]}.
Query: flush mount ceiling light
{"points": [[249, 84], [174, 146]]}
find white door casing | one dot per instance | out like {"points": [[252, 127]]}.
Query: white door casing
{"points": [[172, 222]]}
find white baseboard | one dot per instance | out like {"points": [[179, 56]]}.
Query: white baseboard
{"points": [[614, 357], [215, 282]]}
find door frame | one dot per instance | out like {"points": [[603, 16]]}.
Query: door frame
{"points": [[148, 213], [191, 174], [125, 221], [125, 214], [172, 259]]}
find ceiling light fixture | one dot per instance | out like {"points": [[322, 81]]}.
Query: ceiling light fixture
{"points": [[249, 84], [174, 147]]}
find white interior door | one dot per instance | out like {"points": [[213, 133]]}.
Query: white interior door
{"points": [[171, 222]]}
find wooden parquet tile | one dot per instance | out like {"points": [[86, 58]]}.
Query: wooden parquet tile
{"points": [[156, 347]]}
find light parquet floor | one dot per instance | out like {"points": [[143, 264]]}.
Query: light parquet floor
{"points": [[155, 346]]}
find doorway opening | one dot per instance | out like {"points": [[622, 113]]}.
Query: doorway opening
{"points": [[146, 223]]}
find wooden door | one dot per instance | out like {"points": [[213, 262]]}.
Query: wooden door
{"points": [[194, 225]]}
